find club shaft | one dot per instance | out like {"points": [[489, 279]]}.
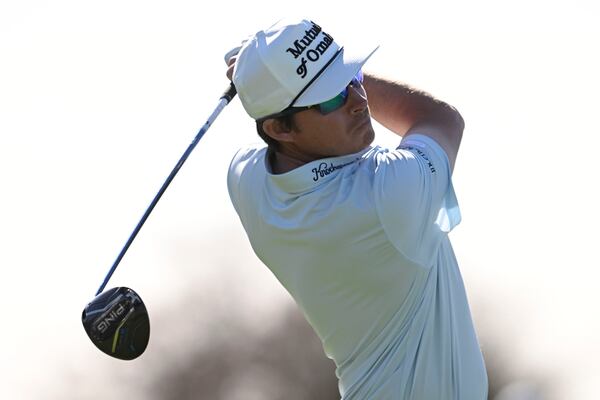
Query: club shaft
{"points": [[223, 101]]}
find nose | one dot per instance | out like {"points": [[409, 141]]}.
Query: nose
{"points": [[357, 99]]}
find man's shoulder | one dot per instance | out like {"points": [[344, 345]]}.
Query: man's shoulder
{"points": [[413, 151], [246, 168], [249, 152], [250, 155]]}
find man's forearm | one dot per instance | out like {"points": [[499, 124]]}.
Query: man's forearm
{"points": [[399, 107]]}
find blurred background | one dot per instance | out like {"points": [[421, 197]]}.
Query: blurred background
{"points": [[98, 100]]}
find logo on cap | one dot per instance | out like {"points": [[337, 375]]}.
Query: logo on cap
{"points": [[312, 55]]}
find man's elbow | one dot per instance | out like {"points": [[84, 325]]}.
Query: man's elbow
{"points": [[455, 120], [450, 119]]}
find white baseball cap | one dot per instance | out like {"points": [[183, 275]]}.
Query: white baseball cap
{"points": [[292, 63]]}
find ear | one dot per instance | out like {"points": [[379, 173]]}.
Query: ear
{"points": [[277, 130]]}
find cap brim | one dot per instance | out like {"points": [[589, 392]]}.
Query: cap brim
{"points": [[335, 78]]}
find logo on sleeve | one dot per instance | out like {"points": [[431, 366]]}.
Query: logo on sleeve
{"points": [[423, 156]]}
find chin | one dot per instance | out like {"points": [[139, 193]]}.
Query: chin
{"points": [[369, 136]]}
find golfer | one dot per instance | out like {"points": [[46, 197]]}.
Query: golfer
{"points": [[356, 233]]}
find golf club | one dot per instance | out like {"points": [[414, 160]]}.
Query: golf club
{"points": [[117, 321]]}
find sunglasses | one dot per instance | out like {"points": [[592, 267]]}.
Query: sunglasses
{"points": [[338, 101], [325, 107]]}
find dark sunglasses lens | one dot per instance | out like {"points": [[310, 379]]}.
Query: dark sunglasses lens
{"points": [[335, 103], [339, 100], [117, 322]]}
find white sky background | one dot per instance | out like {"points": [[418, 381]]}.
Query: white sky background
{"points": [[98, 100]]}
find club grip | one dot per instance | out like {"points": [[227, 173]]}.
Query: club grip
{"points": [[229, 93]]}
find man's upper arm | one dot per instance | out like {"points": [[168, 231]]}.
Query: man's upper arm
{"points": [[414, 197], [447, 135]]}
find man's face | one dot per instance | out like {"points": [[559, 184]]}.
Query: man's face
{"points": [[344, 131]]}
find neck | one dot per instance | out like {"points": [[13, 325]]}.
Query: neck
{"points": [[282, 163]]}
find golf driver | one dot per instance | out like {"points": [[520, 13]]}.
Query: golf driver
{"points": [[117, 321]]}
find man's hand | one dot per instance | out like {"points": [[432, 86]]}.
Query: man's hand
{"points": [[230, 66], [231, 58]]}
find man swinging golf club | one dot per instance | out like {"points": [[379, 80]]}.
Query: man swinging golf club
{"points": [[357, 234]]}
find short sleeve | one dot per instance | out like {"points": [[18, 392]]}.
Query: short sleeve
{"points": [[233, 179], [414, 197], [241, 164]]}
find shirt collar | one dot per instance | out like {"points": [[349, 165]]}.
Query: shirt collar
{"points": [[312, 174]]}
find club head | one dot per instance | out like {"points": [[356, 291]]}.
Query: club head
{"points": [[117, 323]]}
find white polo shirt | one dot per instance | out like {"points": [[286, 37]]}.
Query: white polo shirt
{"points": [[360, 242]]}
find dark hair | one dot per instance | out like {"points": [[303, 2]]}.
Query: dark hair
{"points": [[287, 121]]}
